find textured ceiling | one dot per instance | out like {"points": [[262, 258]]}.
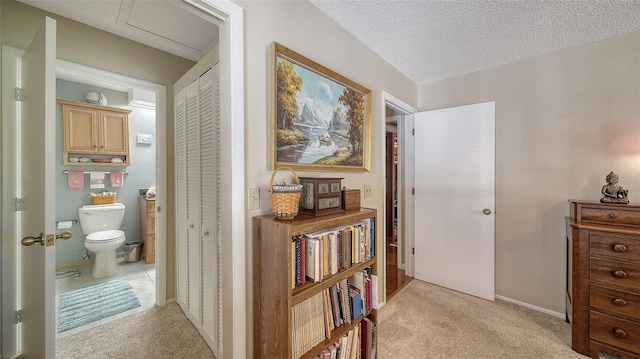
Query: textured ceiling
{"points": [[432, 40]]}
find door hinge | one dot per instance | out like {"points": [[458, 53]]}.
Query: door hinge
{"points": [[19, 94], [17, 204], [413, 250], [413, 131], [158, 209], [18, 316], [413, 191]]}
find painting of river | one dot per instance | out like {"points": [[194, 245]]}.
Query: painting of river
{"points": [[319, 122], [314, 149]]}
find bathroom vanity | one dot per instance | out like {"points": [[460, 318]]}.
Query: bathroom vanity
{"points": [[147, 210]]}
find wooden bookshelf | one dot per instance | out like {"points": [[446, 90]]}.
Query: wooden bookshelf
{"points": [[273, 296]]}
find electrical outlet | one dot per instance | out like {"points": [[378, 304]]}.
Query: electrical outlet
{"points": [[367, 190], [254, 198]]}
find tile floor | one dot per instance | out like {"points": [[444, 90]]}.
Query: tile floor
{"points": [[141, 276]]}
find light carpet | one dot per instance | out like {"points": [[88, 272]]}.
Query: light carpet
{"points": [[158, 333], [428, 321], [97, 301]]}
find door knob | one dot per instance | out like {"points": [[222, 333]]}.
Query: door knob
{"points": [[486, 211], [64, 235], [30, 240]]}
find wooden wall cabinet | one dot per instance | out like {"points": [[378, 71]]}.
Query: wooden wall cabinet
{"points": [[94, 131], [603, 279], [274, 298], [147, 210]]}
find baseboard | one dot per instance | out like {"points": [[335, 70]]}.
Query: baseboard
{"points": [[75, 264], [531, 306]]}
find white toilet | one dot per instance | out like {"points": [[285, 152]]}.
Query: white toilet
{"points": [[101, 224]]}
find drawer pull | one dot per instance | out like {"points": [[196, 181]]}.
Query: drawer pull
{"points": [[612, 215], [620, 248], [619, 332], [620, 273], [620, 302]]}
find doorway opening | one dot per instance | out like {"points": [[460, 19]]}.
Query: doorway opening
{"points": [[136, 258], [396, 277]]}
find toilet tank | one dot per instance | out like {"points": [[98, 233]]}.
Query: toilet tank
{"points": [[103, 217]]}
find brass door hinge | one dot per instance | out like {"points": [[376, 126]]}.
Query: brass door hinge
{"points": [[413, 250]]}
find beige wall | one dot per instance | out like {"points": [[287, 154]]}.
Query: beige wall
{"points": [[563, 121], [89, 46], [303, 28]]}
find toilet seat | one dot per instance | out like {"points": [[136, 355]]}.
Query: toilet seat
{"points": [[105, 236]]}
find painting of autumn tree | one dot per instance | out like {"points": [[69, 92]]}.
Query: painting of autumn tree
{"points": [[321, 119]]}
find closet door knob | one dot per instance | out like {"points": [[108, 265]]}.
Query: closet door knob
{"points": [[191, 225], [620, 248]]}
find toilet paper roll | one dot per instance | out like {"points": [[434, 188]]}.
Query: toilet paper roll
{"points": [[65, 225]]}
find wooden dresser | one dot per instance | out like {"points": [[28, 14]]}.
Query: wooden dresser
{"points": [[147, 208], [603, 278]]}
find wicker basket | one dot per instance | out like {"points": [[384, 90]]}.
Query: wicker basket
{"points": [[103, 200], [285, 199]]}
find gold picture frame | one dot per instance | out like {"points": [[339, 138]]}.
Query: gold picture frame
{"points": [[319, 120]]}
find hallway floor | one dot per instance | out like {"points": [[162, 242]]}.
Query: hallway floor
{"points": [[141, 276]]}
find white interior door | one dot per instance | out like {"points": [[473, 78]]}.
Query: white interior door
{"points": [[194, 243], [209, 205], [37, 190], [455, 197]]}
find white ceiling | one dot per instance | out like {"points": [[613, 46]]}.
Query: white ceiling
{"points": [[427, 40]]}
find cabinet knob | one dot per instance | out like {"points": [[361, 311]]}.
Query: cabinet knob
{"points": [[619, 332], [613, 215], [620, 302], [620, 248], [95, 146], [620, 273], [102, 147]]}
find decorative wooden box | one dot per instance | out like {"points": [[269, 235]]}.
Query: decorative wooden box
{"points": [[320, 196], [350, 199]]}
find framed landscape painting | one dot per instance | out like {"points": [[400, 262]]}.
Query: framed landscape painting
{"points": [[319, 120]]}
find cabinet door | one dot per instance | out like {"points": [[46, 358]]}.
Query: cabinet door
{"points": [[80, 129], [114, 133], [150, 249]]}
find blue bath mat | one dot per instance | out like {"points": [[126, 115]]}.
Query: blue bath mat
{"points": [[89, 304]]}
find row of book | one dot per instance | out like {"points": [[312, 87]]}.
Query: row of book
{"points": [[321, 254], [358, 343], [316, 318]]}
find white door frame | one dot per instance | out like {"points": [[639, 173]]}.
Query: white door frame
{"points": [[234, 259], [405, 181]]}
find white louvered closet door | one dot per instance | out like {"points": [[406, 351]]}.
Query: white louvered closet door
{"points": [[198, 230], [194, 245], [209, 211], [181, 202]]}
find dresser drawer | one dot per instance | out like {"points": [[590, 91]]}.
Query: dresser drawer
{"points": [[617, 274], [610, 215], [615, 302], [616, 247], [599, 350], [615, 331]]}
